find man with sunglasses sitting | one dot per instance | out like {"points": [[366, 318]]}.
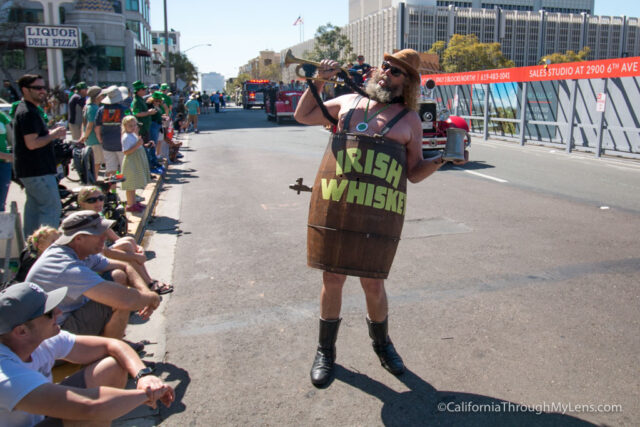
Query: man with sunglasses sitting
{"points": [[35, 163], [392, 91], [102, 292], [31, 341]]}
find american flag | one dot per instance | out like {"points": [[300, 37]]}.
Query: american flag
{"points": [[298, 21]]}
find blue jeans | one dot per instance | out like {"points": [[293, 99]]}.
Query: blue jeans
{"points": [[154, 131], [43, 205], [151, 156], [5, 180]]}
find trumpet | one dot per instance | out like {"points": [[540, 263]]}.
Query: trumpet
{"points": [[310, 68]]}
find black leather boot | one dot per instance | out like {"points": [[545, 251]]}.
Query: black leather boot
{"points": [[382, 345], [322, 367]]}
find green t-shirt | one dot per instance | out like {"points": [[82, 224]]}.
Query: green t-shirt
{"points": [[90, 111], [139, 106], [167, 99], [14, 105], [4, 121]]}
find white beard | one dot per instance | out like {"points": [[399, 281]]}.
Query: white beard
{"points": [[379, 93]]}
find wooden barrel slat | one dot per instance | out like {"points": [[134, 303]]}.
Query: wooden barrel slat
{"points": [[357, 234]]}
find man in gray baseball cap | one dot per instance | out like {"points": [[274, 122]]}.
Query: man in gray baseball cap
{"points": [[30, 343], [102, 291]]}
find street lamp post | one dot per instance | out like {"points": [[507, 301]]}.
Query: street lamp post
{"points": [[198, 45]]}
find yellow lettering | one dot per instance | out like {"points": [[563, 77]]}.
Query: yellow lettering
{"points": [[339, 162], [370, 190], [402, 197], [395, 171], [379, 197], [333, 189], [382, 161], [368, 164], [392, 196], [352, 160], [357, 192]]}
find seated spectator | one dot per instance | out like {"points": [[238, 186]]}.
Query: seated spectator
{"points": [[40, 240], [32, 341], [121, 248], [95, 304]]}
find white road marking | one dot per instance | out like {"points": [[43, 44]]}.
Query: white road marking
{"points": [[481, 175]]}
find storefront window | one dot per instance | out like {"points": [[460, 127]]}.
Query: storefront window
{"points": [[135, 27], [114, 58], [13, 59]]}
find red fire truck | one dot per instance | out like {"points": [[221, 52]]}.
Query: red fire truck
{"points": [[281, 103], [253, 93], [436, 122]]}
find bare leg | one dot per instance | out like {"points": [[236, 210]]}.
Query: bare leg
{"points": [[377, 306], [131, 197], [116, 326], [105, 372], [331, 295]]}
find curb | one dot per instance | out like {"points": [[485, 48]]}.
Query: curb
{"points": [[151, 203]]}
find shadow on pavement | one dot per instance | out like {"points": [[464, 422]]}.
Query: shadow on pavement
{"points": [[472, 165], [164, 225], [179, 176], [170, 373], [424, 405]]}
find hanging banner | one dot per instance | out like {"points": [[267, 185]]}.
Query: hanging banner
{"points": [[605, 68], [52, 36]]}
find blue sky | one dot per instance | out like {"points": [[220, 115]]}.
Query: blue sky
{"points": [[238, 30]]}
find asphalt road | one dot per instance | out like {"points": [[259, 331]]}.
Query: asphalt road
{"points": [[513, 297]]}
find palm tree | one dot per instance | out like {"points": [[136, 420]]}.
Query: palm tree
{"points": [[85, 58]]}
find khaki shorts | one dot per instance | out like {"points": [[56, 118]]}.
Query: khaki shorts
{"points": [[76, 131], [192, 117], [113, 160], [98, 154]]}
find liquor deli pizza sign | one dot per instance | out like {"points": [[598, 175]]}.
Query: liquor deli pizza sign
{"points": [[52, 37], [606, 68]]}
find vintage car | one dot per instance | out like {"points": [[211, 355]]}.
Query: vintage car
{"points": [[436, 122], [281, 103]]}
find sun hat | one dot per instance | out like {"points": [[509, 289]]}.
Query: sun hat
{"points": [[112, 95], [409, 59], [25, 301], [82, 222], [94, 91]]}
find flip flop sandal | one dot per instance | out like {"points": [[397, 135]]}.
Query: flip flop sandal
{"points": [[160, 288]]}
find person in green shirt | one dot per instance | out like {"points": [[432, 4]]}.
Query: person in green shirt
{"points": [[14, 105], [6, 158], [143, 113], [89, 134], [164, 88]]}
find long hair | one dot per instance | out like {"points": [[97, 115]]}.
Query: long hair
{"points": [[411, 92]]}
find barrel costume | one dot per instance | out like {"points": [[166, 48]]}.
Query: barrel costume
{"points": [[356, 215]]}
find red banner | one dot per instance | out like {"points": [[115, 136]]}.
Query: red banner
{"points": [[618, 67]]}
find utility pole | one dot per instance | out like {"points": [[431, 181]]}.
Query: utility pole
{"points": [[167, 71]]}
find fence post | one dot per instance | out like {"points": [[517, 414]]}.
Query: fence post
{"points": [[485, 130], [455, 98], [601, 121], [523, 111], [572, 114]]}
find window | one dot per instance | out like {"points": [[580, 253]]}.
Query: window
{"points": [[114, 58], [42, 59], [13, 59], [117, 6], [133, 5], [134, 26], [28, 16]]}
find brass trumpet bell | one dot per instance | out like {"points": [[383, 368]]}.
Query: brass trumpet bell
{"points": [[309, 68]]}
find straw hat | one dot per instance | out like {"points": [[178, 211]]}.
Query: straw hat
{"points": [[409, 59]]}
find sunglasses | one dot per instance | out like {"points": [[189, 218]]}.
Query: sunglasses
{"points": [[395, 71], [37, 87], [94, 199], [49, 314]]}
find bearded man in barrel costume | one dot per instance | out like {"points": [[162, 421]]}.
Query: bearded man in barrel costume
{"points": [[359, 196]]}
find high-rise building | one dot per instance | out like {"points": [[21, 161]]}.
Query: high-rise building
{"points": [[526, 35], [212, 82]]}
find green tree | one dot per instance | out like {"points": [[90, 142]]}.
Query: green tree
{"points": [[183, 68], [466, 53], [568, 56], [438, 48], [271, 72], [331, 44]]}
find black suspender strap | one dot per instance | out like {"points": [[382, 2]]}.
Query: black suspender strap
{"points": [[393, 121], [347, 118], [316, 96]]}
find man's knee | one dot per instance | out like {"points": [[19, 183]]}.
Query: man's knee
{"points": [[106, 372], [373, 287], [333, 281], [119, 276]]}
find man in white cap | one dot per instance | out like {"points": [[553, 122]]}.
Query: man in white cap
{"points": [[102, 292], [108, 121], [30, 343]]}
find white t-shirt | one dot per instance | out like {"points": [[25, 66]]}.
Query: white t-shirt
{"points": [[17, 378], [129, 141]]}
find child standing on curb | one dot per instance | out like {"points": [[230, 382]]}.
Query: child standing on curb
{"points": [[135, 166]]}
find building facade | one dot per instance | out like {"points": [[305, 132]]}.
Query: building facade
{"points": [[115, 32], [212, 82], [257, 66], [526, 36], [158, 42]]}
